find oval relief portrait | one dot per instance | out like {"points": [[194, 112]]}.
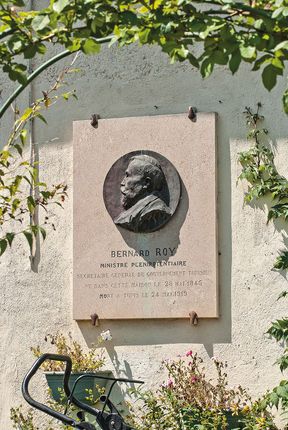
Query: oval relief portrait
{"points": [[141, 191]]}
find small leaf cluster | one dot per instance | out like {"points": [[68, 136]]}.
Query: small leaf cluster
{"points": [[22, 419], [279, 396], [91, 360], [22, 193], [228, 32], [279, 331], [259, 170]]}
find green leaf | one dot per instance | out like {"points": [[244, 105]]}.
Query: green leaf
{"points": [[43, 232], [40, 22], [31, 204], [23, 136], [274, 399], [3, 246], [26, 114], [128, 17], [10, 237], [283, 294], [281, 262], [193, 60], [29, 238], [90, 47], [19, 149], [282, 45], [144, 35], [16, 73], [35, 230], [282, 391], [247, 52], [40, 116], [59, 5], [30, 51], [277, 12], [235, 61], [285, 101], [97, 23], [179, 54], [219, 57], [15, 205], [41, 48], [206, 68], [74, 44], [15, 44], [269, 77]]}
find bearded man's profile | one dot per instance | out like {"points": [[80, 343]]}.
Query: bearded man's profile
{"points": [[144, 208]]}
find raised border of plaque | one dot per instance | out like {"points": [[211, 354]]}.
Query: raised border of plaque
{"points": [[151, 254]]}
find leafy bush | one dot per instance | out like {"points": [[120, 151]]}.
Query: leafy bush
{"points": [[89, 361], [189, 400]]}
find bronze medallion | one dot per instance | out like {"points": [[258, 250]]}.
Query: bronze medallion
{"points": [[141, 191]]}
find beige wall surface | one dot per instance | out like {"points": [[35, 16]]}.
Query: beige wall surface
{"points": [[140, 82]]}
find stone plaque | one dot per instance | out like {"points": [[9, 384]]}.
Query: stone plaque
{"points": [[145, 218]]}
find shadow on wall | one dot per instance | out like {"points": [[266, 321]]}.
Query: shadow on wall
{"points": [[160, 332], [179, 331]]}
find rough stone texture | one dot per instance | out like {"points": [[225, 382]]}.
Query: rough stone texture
{"points": [[131, 82]]}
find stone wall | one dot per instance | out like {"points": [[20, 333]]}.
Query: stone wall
{"points": [[137, 81]]}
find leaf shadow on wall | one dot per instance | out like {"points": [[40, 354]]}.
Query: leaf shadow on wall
{"points": [[163, 243]]}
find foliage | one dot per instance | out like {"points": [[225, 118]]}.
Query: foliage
{"points": [[189, 400], [228, 32], [279, 330], [278, 397], [22, 194], [23, 420], [91, 360], [259, 170], [27, 419]]}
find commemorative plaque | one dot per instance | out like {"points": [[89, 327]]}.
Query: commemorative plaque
{"points": [[145, 228]]}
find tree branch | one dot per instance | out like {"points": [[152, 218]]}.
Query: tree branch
{"points": [[39, 70], [30, 78]]}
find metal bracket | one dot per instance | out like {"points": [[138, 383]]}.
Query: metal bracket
{"points": [[94, 120], [95, 319], [193, 318], [192, 113]]}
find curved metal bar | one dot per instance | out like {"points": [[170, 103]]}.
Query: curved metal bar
{"points": [[30, 79], [40, 406], [39, 70], [96, 412]]}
